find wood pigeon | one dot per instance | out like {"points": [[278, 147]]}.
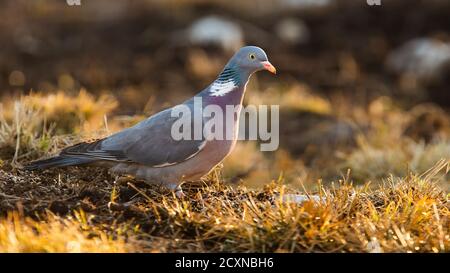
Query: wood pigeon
{"points": [[148, 151]]}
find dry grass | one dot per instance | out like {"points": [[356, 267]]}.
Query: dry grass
{"points": [[404, 209], [386, 148], [391, 218], [54, 234], [37, 125], [71, 114], [368, 162], [409, 214], [297, 97]]}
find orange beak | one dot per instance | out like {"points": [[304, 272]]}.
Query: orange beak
{"points": [[269, 67]]}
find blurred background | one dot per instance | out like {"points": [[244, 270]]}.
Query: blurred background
{"points": [[359, 86]]}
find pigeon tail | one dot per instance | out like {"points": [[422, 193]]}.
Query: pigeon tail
{"points": [[58, 161]]}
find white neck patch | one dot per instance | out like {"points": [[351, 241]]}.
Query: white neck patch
{"points": [[221, 88]]}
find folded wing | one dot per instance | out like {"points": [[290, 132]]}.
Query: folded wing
{"points": [[148, 143]]}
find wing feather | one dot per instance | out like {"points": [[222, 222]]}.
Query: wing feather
{"points": [[148, 143]]}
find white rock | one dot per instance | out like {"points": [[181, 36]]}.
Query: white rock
{"points": [[300, 198], [217, 31], [422, 57], [293, 31], [374, 246]]}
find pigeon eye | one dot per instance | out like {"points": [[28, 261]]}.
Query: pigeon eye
{"points": [[252, 56]]}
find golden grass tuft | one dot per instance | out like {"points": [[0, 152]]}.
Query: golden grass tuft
{"points": [[71, 114], [299, 97], [385, 147], [369, 162], [22, 234], [38, 124]]}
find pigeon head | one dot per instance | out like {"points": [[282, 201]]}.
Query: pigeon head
{"points": [[250, 59], [238, 70]]}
